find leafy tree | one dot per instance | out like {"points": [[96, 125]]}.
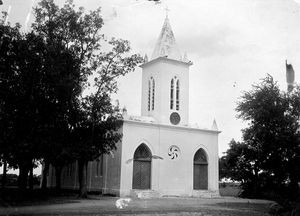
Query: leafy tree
{"points": [[7, 35], [265, 162], [65, 84], [45, 114], [38, 80], [19, 95], [240, 164], [92, 119]]}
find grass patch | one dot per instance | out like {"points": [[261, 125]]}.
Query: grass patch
{"points": [[229, 189], [14, 197]]}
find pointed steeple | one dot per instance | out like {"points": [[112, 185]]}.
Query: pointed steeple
{"points": [[166, 45]]}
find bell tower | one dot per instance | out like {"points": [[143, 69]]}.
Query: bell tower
{"points": [[165, 81]]}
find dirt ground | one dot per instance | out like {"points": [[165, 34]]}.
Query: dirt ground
{"points": [[97, 205]]}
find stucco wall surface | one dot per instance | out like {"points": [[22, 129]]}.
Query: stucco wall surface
{"points": [[168, 177]]}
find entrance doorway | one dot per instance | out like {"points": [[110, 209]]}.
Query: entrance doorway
{"points": [[200, 170], [142, 168]]}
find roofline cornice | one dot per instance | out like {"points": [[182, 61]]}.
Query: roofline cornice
{"points": [[165, 59], [173, 127]]}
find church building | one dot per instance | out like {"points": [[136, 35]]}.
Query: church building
{"points": [[160, 153]]}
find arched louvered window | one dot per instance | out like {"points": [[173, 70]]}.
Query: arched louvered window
{"points": [[153, 93], [177, 95], [200, 170], [200, 157], [142, 153], [172, 94], [149, 95]]}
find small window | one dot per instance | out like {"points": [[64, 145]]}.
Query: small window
{"points": [[172, 94], [99, 166], [153, 93], [177, 95], [149, 94]]}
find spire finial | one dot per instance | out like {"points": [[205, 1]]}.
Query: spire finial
{"points": [[167, 11]]}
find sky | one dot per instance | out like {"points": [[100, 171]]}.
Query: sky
{"points": [[233, 44]]}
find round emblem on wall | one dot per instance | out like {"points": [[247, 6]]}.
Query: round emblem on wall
{"points": [[175, 118], [173, 152]]}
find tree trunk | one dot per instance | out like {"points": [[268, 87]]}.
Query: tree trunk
{"points": [[82, 176], [255, 183], [44, 175], [58, 170], [4, 174], [31, 178], [23, 177]]}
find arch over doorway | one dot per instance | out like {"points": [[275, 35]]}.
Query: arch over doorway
{"points": [[141, 178], [200, 170]]}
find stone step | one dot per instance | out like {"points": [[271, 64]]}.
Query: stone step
{"points": [[206, 193], [145, 194]]}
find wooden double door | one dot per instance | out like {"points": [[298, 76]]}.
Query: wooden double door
{"points": [[141, 174], [142, 168], [200, 177], [200, 170]]}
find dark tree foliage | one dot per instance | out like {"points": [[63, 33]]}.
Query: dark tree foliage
{"points": [[7, 35], [37, 79], [45, 115], [267, 161], [21, 94], [240, 164], [93, 120]]}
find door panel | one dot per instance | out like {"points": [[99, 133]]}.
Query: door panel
{"points": [[145, 175], [200, 177], [196, 177], [136, 175], [141, 174], [203, 179]]}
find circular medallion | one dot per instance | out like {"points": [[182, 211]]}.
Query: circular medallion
{"points": [[173, 152], [174, 118]]}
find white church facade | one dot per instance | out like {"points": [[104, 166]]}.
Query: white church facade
{"points": [[160, 154]]}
